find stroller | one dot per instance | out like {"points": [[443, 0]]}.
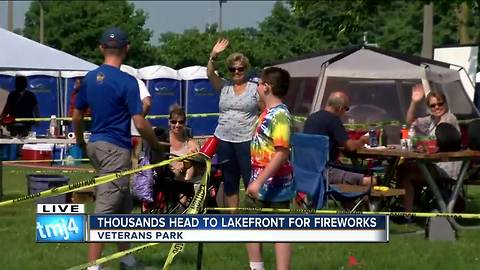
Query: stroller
{"points": [[171, 196]]}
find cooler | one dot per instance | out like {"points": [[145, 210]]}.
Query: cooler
{"points": [[40, 182], [37, 152]]}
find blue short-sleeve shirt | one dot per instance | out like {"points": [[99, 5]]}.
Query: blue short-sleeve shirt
{"points": [[113, 97]]}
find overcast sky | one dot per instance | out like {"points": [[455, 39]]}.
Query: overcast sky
{"points": [[176, 16]]}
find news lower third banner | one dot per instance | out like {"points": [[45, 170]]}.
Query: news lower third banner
{"points": [[69, 227]]}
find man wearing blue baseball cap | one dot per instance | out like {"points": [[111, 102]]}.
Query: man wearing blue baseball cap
{"points": [[113, 97]]}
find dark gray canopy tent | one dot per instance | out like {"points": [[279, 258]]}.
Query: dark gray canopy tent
{"points": [[378, 82]]}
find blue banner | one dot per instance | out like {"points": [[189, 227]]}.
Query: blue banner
{"points": [[60, 228], [238, 222]]}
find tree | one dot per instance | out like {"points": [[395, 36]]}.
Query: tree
{"points": [[75, 27]]}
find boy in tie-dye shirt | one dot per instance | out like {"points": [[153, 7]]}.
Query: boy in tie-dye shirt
{"points": [[271, 184]]}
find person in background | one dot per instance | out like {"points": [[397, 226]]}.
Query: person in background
{"points": [[73, 98], [146, 99], [113, 97], [180, 145], [239, 107], [408, 173], [271, 184], [21, 103], [327, 122]]}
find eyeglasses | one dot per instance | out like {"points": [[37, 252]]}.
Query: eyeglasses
{"points": [[180, 122], [440, 104], [235, 69]]}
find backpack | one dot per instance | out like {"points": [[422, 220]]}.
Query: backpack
{"points": [[143, 181]]}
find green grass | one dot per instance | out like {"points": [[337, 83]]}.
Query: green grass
{"points": [[18, 249]]}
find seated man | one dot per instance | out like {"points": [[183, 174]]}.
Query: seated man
{"points": [[327, 122]]}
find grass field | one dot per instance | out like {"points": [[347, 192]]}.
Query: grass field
{"points": [[18, 249]]}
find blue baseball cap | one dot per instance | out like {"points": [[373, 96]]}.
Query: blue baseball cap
{"points": [[114, 38]]}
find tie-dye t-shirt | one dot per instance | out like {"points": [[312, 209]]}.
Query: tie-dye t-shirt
{"points": [[272, 130]]}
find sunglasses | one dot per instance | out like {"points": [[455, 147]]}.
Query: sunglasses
{"points": [[346, 108], [235, 69], [180, 122], [440, 104]]}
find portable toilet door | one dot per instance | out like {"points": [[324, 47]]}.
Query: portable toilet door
{"points": [[46, 87], [7, 82], [68, 81], [164, 84], [200, 98]]}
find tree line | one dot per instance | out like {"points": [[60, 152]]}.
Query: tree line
{"points": [[293, 28]]}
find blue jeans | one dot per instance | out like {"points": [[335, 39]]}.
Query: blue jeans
{"points": [[238, 156]]}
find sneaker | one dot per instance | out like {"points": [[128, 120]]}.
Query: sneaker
{"points": [[137, 266]]}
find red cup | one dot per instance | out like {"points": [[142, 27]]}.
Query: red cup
{"points": [[210, 146]]}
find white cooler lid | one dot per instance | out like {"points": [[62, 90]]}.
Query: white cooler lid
{"points": [[38, 146]]}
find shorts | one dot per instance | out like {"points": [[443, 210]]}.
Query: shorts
{"points": [[338, 176], [113, 197], [238, 165]]}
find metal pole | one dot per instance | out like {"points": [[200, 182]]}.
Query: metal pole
{"points": [[41, 23], [220, 17], [427, 41], [10, 16]]}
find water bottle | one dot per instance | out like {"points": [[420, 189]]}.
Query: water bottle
{"points": [[53, 128], [411, 134]]}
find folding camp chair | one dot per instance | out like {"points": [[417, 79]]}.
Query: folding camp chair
{"points": [[309, 158]]}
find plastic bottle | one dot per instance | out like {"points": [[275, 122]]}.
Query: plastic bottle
{"points": [[382, 137], [53, 128], [404, 132], [411, 132]]}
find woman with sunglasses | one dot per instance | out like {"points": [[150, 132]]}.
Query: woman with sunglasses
{"points": [[408, 174], [181, 144], [439, 112], [239, 108]]}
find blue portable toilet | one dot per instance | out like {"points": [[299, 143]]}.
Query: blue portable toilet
{"points": [[68, 81], [199, 97], [165, 87], [46, 87]]}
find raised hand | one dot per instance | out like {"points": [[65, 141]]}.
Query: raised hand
{"points": [[219, 47], [417, 93]]}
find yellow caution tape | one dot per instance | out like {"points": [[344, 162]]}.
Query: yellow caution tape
{"points": [[89, 183], [113, 256], [195, 207], [342, 212], [160, 116]]}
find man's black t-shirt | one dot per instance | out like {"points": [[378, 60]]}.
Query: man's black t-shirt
{"points": [[327, 124], [21, 104]]}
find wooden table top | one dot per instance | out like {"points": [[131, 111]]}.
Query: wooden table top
{"points": [[395, 152]]}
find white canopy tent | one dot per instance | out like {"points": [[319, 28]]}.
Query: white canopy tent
{"points": [[378, 82], [19, 53]]}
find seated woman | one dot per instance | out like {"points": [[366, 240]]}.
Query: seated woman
{"points": [[408, 174], [181, 144]]}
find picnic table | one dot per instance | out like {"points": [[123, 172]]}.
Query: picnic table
{"points": [[394, 153]]}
